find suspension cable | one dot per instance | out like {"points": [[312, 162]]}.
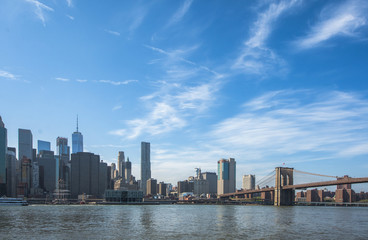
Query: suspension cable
{"points": [[315, 174]]}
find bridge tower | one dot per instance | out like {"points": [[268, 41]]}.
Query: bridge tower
{"points": [[284, 176]]}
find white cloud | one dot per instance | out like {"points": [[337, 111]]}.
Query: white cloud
{"points": [[297, 124], [117, 107], [185, 91], [70, 17], [39, 10], [62, 79], [69, 3], [180, 13], [112, 32], [263, 26], [117, 83], [81, 80], [255, 58], [7, 75], [343, 20]]}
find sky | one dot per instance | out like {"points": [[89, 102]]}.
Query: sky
{"points": [[269, 83]]}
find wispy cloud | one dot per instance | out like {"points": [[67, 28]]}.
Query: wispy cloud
{"points": [[117, 107], [70, 17], [343, 20], [7, 75], [69, 3], [81, 80], [117, 83], [39, 9], [112, 32], [255, 58], [62, 79], [187, 92], [296, 125], [180, 13]]}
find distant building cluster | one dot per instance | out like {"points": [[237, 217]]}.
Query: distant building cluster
{"points": [[342, 194], [75, 174]]}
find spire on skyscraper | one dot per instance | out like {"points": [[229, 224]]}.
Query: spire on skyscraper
{"points": [[77, 122], [1, 122]]}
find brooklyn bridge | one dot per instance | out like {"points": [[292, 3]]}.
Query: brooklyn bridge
{"points": [[282, 193]]}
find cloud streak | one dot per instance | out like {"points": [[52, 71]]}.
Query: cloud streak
{"points": [[185, 93], [62, 79], [7, 75], [180, 13], [117, 83], [255, 58], [282, 124], [39, 10], [112, 32], [345, 20]]}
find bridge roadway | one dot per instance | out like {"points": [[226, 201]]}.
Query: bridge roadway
{"points": [[300, 186]]}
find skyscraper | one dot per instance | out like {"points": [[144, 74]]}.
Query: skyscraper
{"points": [[77, 141], [249, 182], [62, 163], [128, 170], [145, 165], [89, 175], [25, 144], [47, 170], [3, 149], [43, 146], [121, 165], [226, 182], [11, 173]]}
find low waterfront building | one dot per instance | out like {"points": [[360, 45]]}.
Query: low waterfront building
{"points": [[123, 196]]}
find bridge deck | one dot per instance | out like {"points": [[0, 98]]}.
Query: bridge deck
{"points": [[302, 186], [327, 183]]}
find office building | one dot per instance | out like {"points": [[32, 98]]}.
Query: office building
{"points": [[23, 188], [151, 187], [3, 149], [128, 170], [123, 196], [114, 172], [77, 141], [63, 161], [25, 144], [185, 186], [145, 165], [88, 175], [47, 171], [249, 182], [226, 182], [11, 173], [211, 178], [43, 146], [162, 187], [121, 165]]}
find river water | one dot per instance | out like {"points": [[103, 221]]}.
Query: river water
{"points": [[182, 222]]}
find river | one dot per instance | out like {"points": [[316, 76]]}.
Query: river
{"points": [[182, 222]]}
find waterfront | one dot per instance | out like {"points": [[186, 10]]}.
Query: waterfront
{"points": [[182, 221]]}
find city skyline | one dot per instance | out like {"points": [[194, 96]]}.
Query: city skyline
{"points": [[266, 83]]}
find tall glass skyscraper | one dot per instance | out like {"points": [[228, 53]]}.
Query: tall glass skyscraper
{"points": [[43, 146], [145, 165], [121, 165], [25, 144], [3, 149], [77, 141], [226, 182]]}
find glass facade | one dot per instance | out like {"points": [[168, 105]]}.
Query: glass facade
{"points": [[43, 146], [77, 142]]}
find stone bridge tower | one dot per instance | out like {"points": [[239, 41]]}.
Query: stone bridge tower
{"points": [[284, 176]]}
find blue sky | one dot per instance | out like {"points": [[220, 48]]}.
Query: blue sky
{"points": [[265, 82]]}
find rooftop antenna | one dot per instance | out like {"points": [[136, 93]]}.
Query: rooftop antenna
{"points": [[77, 122]]}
